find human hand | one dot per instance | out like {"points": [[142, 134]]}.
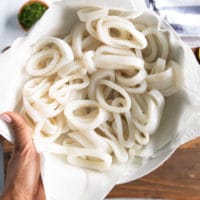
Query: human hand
{"points": [[23, 180]]}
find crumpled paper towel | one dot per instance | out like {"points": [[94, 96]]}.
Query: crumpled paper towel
{"points": [[180, 121]]}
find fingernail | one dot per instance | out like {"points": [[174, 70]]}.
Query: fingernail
{"points": [[6, 118]]}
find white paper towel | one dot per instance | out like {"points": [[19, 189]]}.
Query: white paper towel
{"points": [[178, 125]]}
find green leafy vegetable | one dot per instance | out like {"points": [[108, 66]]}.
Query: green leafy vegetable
{"points": [[31, 13]]}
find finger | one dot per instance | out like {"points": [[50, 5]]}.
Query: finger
{"points": [[21, 133]]}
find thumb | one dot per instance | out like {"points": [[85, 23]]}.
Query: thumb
{"points": [[40, 191], [21, 133]]}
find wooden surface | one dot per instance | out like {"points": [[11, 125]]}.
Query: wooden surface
{"points": [[177, 179]]}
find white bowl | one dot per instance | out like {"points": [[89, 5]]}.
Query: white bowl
{"points": [[177, 124]]}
